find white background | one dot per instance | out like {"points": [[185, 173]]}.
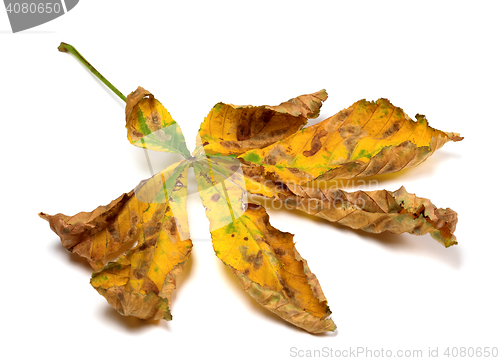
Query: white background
{"points": [[64, 149]]}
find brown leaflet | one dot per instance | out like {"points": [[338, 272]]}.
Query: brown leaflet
{"points": [[377, 211], [95, 235], [374, 211]]}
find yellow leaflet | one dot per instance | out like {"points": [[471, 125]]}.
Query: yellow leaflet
{"points": [[141, 282], [234, 129], [271, 270], [365, 139], [149, 125], [262, 258]]}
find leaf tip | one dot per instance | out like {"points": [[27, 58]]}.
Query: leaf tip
{"points": [[333, 327], [452, 242], [454, 136], [401, 190], [321, 95], [328, 326]]}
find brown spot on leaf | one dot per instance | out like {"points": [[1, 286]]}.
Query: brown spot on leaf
{"points": [[266, 116], [149, 286], [350, 143], [134, 219], [349, 130], [243, 132], [136, 135], [155, 120], [215, 197], [275, 154], [315, 143], [230, 144], [253, 206], [152, 230], [252, 170], [391, 130], [270, 159], [172, 227], [334, 122], [259, 259], [276, 133], [344, 114], [281, 186], [149, 243], [158, 214], [138, 273], [288, 291], [280, 251], [351, 134]]}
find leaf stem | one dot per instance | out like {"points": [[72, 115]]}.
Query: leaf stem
{"points": [[70, 49]]}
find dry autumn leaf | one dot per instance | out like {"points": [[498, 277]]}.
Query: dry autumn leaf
{"points": [[262, 150]]}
